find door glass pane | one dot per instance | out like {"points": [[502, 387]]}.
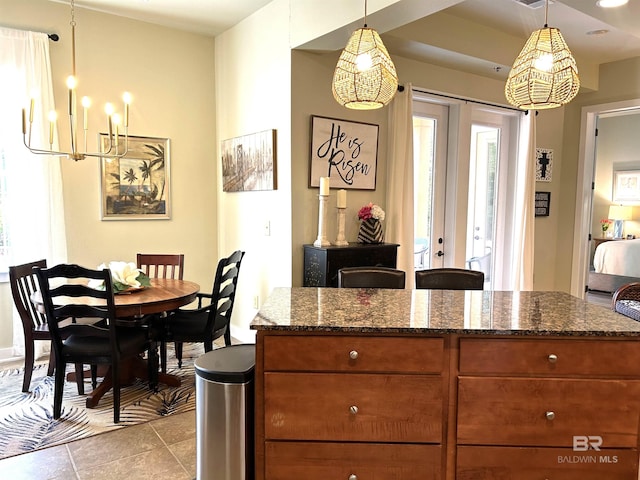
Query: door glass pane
{"points": [[481, 220], [423, 150]]}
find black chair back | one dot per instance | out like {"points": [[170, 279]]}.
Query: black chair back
{"points": [[371, 277], [223, 295], [67, 294], [34, 323], [449, 279]]}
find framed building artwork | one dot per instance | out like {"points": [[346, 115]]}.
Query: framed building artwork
{"points": [[344, 151], [249, 162], [135, 186], [544, 164]]}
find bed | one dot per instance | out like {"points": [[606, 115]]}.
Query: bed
{"points": [[615, 263]]}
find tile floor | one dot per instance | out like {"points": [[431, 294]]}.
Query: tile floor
{"points": [[163, 448]]}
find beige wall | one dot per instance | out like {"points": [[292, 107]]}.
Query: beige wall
{"points": [[171, 76], [311, 95], [253, 82]]}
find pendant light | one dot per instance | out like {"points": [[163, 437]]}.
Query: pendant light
{"points": [[545, 74], [365, 77]]}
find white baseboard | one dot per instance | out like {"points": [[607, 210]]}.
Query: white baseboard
{"points": [[8, 354]]}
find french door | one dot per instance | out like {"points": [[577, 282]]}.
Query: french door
{"points": [[430, 131], [463, 183]]}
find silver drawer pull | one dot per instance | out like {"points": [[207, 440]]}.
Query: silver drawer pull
{"points": [[550, 415], [353, 355], [553, 358], [353, 477], [353, 409]]}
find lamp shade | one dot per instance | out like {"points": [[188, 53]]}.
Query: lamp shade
{"points": [[365, 76], [619, 212], [545, 74]]}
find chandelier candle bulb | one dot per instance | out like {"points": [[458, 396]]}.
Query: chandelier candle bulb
{"points": [[24, 122]]}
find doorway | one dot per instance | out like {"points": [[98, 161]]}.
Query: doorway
{"points": [[585, 216]]}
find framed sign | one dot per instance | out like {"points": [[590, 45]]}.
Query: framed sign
{"points": [[544, 164], [249, 162], [626, 186], [543, 199], [136, 186], [345, 151]]}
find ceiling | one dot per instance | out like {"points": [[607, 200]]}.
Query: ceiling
{"points": [[448, 37]]}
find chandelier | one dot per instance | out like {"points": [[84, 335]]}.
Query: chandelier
{"points": [[545, 74], [115, 122], [365, 76]]}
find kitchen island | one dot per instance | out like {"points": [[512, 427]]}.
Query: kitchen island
{"points": [[366, 384]]}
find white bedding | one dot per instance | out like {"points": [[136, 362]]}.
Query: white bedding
{"points": [[620, 257]]}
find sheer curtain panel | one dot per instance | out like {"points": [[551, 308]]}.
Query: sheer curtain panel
{"points": [[399, 200], [33, 213]]}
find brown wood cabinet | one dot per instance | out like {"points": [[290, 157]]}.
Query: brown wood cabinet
{"points": [[449, 406]]}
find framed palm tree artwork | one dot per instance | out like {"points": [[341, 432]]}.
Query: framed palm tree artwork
{"points": [[136, 185]]}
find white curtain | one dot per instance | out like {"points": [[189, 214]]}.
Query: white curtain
{"points": [[399, 201], [524, 232], [34, 213]]}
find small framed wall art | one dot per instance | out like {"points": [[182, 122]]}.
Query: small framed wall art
{"points": [[249, 162], [344, 151], [135, 186], [543, 200], [626, 186], [544, 164]]}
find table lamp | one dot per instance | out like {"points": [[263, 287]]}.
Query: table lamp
{"points": [[619, 213]]}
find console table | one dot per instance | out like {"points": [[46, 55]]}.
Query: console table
{"points": [[321, 264]]}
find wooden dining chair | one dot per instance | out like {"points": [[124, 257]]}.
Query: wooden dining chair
{"points": [[371, 277], [210, 321], [100, 342], [34, 323], [449, 279], [161, 265]]}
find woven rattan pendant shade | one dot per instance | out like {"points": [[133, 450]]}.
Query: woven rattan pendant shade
{"points": [[364, 85], [545, 74]]}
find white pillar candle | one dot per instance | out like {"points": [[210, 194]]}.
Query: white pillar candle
{"points": [[324, 186], [342, 198]]}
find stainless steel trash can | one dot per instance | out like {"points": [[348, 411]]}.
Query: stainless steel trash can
{"points": [[224, 413]]}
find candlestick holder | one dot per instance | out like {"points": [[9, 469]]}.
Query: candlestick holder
{"points": [[341, 240], [322, 241]]}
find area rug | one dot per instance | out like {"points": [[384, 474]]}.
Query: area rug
{"points": [[26, 419]]}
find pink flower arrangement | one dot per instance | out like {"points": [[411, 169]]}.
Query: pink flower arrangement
{"points": [[604, 224], [371, 211]]}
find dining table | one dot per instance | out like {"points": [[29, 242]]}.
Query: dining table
{"points": [[163, 295]]}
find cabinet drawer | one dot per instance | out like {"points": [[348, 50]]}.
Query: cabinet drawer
{"points": [[388, 408], [353, 354], [372, 461], [510, 463], [550, 357], [513, 411]]}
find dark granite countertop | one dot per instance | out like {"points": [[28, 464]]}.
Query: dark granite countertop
{"points": [[438, 311]]}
